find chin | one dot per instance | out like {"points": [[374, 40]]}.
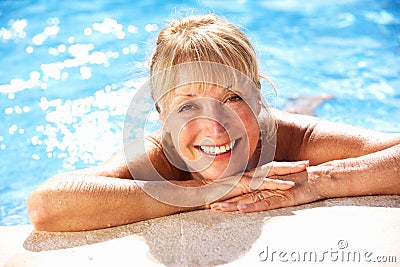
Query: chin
{"points": [[218, 174]]}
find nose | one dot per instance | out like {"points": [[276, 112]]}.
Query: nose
{"points": [[218, 121], [215, 127]]}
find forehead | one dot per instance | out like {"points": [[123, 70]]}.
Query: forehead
{"points": [[200, 89], [200, 77]]}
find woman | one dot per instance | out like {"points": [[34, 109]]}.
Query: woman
{"points": [[217, 137]]}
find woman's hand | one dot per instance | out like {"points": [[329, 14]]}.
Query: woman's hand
{"points": [[371, 174], [305, 190], [263, 178]]}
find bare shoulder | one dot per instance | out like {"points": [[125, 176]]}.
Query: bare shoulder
{"points": [[141, 159], [291, 131], [302, 137], [320, 127], [293, 120]]}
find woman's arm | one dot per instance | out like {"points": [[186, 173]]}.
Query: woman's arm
{"points": [[76, 202], [80, 201], [94, 198], [347, 161], [373, 174]]}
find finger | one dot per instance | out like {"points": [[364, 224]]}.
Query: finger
{"points": [[234, 199], [273, 184], [284, 168], [225, 206], [275, 168], [232, 204], [279, 168], [275, 201]]}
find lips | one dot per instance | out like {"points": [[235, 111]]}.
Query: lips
{"points": [[218, 150]]}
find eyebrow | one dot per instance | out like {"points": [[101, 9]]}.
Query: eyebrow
{"points": [[183, 94]]}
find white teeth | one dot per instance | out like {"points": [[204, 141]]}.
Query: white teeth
{"points": [[228, 147], [212, 150], [216, 150]]}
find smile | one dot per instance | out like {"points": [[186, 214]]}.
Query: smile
{"points": [[218, 150]]}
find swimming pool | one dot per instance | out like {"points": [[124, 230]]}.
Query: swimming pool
{"points": [[69, 69]]}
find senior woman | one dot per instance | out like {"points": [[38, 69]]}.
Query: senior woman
{"points": [[220, 146]]}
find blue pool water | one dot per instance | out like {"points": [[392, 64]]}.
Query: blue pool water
{"points": [[67, 69]]}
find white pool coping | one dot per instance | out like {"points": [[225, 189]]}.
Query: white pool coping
{"points": [[330, 231]]}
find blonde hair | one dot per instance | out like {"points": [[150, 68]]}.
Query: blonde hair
{"points": [[206, 38]]}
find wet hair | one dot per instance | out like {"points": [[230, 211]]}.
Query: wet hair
{"points": [[206, 38]]}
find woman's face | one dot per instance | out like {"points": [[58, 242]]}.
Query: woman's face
{"points": [[213, 129]]}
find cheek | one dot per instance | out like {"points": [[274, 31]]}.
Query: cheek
{"points": [[184, 137], [247, 115], [187, 134], [251, 125]]}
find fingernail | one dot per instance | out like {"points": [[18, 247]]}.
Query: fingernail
{"points": [[287, 184], [224, 205], [242, 206], [214, 205]]}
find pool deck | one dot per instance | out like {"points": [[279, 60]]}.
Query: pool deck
{"points": [[330, 230]]}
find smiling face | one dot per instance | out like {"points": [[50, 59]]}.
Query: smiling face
{"points": [[213, 129]]}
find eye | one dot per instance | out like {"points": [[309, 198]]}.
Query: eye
{"points": [[185, 107], [233, 98]]}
